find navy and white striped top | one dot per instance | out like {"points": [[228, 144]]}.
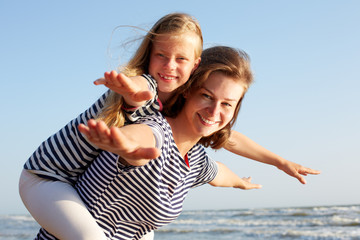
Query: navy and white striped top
{"points": [[65, 155], [128, 202]]}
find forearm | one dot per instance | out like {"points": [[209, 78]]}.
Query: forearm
{"points": [[241, 145], [227, 178]]}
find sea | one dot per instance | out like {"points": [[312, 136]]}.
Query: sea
{"points": [[308, 223]]}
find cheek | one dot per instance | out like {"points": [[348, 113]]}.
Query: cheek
{"points": [[154, 63], [187, 69], [151, 65], [227, 116]]}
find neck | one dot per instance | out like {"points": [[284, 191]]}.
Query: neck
{"points": [[163, 96], [183, 138]]}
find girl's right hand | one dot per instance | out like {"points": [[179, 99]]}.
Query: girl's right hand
{"points": [[134, 89]]}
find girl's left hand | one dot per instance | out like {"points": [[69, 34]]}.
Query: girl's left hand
{"points": [[113, 140], [296, 170]]}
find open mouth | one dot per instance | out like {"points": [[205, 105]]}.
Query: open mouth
{"points": [[167, 77], [207, 121]]}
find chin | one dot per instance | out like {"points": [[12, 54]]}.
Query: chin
{"points": [[207, 134]]}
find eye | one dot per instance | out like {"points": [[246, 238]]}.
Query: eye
{"points": [[226, 104], [207, 96]]}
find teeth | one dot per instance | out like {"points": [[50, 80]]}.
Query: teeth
{"points": [[166, 77], [206, 120]]}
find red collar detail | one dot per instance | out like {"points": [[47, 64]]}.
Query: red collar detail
{"points": [[187, 160]]}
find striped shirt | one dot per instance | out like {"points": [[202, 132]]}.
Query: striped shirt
{"points": [[128, 202], [65, 155]]}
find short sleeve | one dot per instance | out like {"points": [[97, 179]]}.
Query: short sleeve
{"points": [[157, 129], [150, 106], [208, 169]]}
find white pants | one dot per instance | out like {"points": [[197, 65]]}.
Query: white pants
{"points": [[57, 207]]}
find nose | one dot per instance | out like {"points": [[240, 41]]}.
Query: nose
{"points": [[214, 109], [170, 63]]}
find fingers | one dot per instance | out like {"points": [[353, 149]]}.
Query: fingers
{"points": [[117, 136], [256, 186], [305, 171], [296, 170], [100, 81], [92, 130], [103, 132], [247, 179], [84, 130], [248, 185], [96, 132], [115, 80], [124, 81], [301, 179]]}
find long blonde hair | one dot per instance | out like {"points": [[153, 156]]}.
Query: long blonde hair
{"points": [[174, 24], [233, 63]]}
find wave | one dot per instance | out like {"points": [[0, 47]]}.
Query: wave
{"points": [[194, 230], [25, 218], [308, 223]]}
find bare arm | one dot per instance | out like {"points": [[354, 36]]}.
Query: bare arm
{"points": [[135, 142], [227, 178], [244, 146], [134, 90]]}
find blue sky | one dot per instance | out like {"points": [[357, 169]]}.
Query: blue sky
{"points": [[303, 106]]}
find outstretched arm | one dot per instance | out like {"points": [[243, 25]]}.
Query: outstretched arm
{"points": [[135, 142], [226, 178], [244, 146], [134, 90]]}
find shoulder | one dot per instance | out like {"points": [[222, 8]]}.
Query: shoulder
{"points": [[155, 120], [151, 82], [160, 127], [155, 117]]}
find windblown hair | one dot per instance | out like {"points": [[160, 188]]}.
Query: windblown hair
{"points": [[231, 62], [174, 24]]}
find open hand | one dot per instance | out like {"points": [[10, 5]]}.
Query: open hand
{"points": [[113, 140], [134, 90], [296, 170], [247, 185]]}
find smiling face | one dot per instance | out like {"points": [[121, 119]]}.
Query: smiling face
{"points": [[212, 107], [172, 61]]}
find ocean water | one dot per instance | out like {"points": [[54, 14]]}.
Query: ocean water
{"points": [[308, 223]]}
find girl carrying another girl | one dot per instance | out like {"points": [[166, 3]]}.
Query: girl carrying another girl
{"points": [[169, 53]]}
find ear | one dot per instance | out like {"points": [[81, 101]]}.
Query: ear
{"points": [[196, 65]]}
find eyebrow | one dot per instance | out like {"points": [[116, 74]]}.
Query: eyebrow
{"points": [[227, 99]]}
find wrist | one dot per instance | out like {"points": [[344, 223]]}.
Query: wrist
{"points": [[128, 107], [280, 162]]}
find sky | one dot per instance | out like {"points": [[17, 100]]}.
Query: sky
{"points": [[304, 104]]}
